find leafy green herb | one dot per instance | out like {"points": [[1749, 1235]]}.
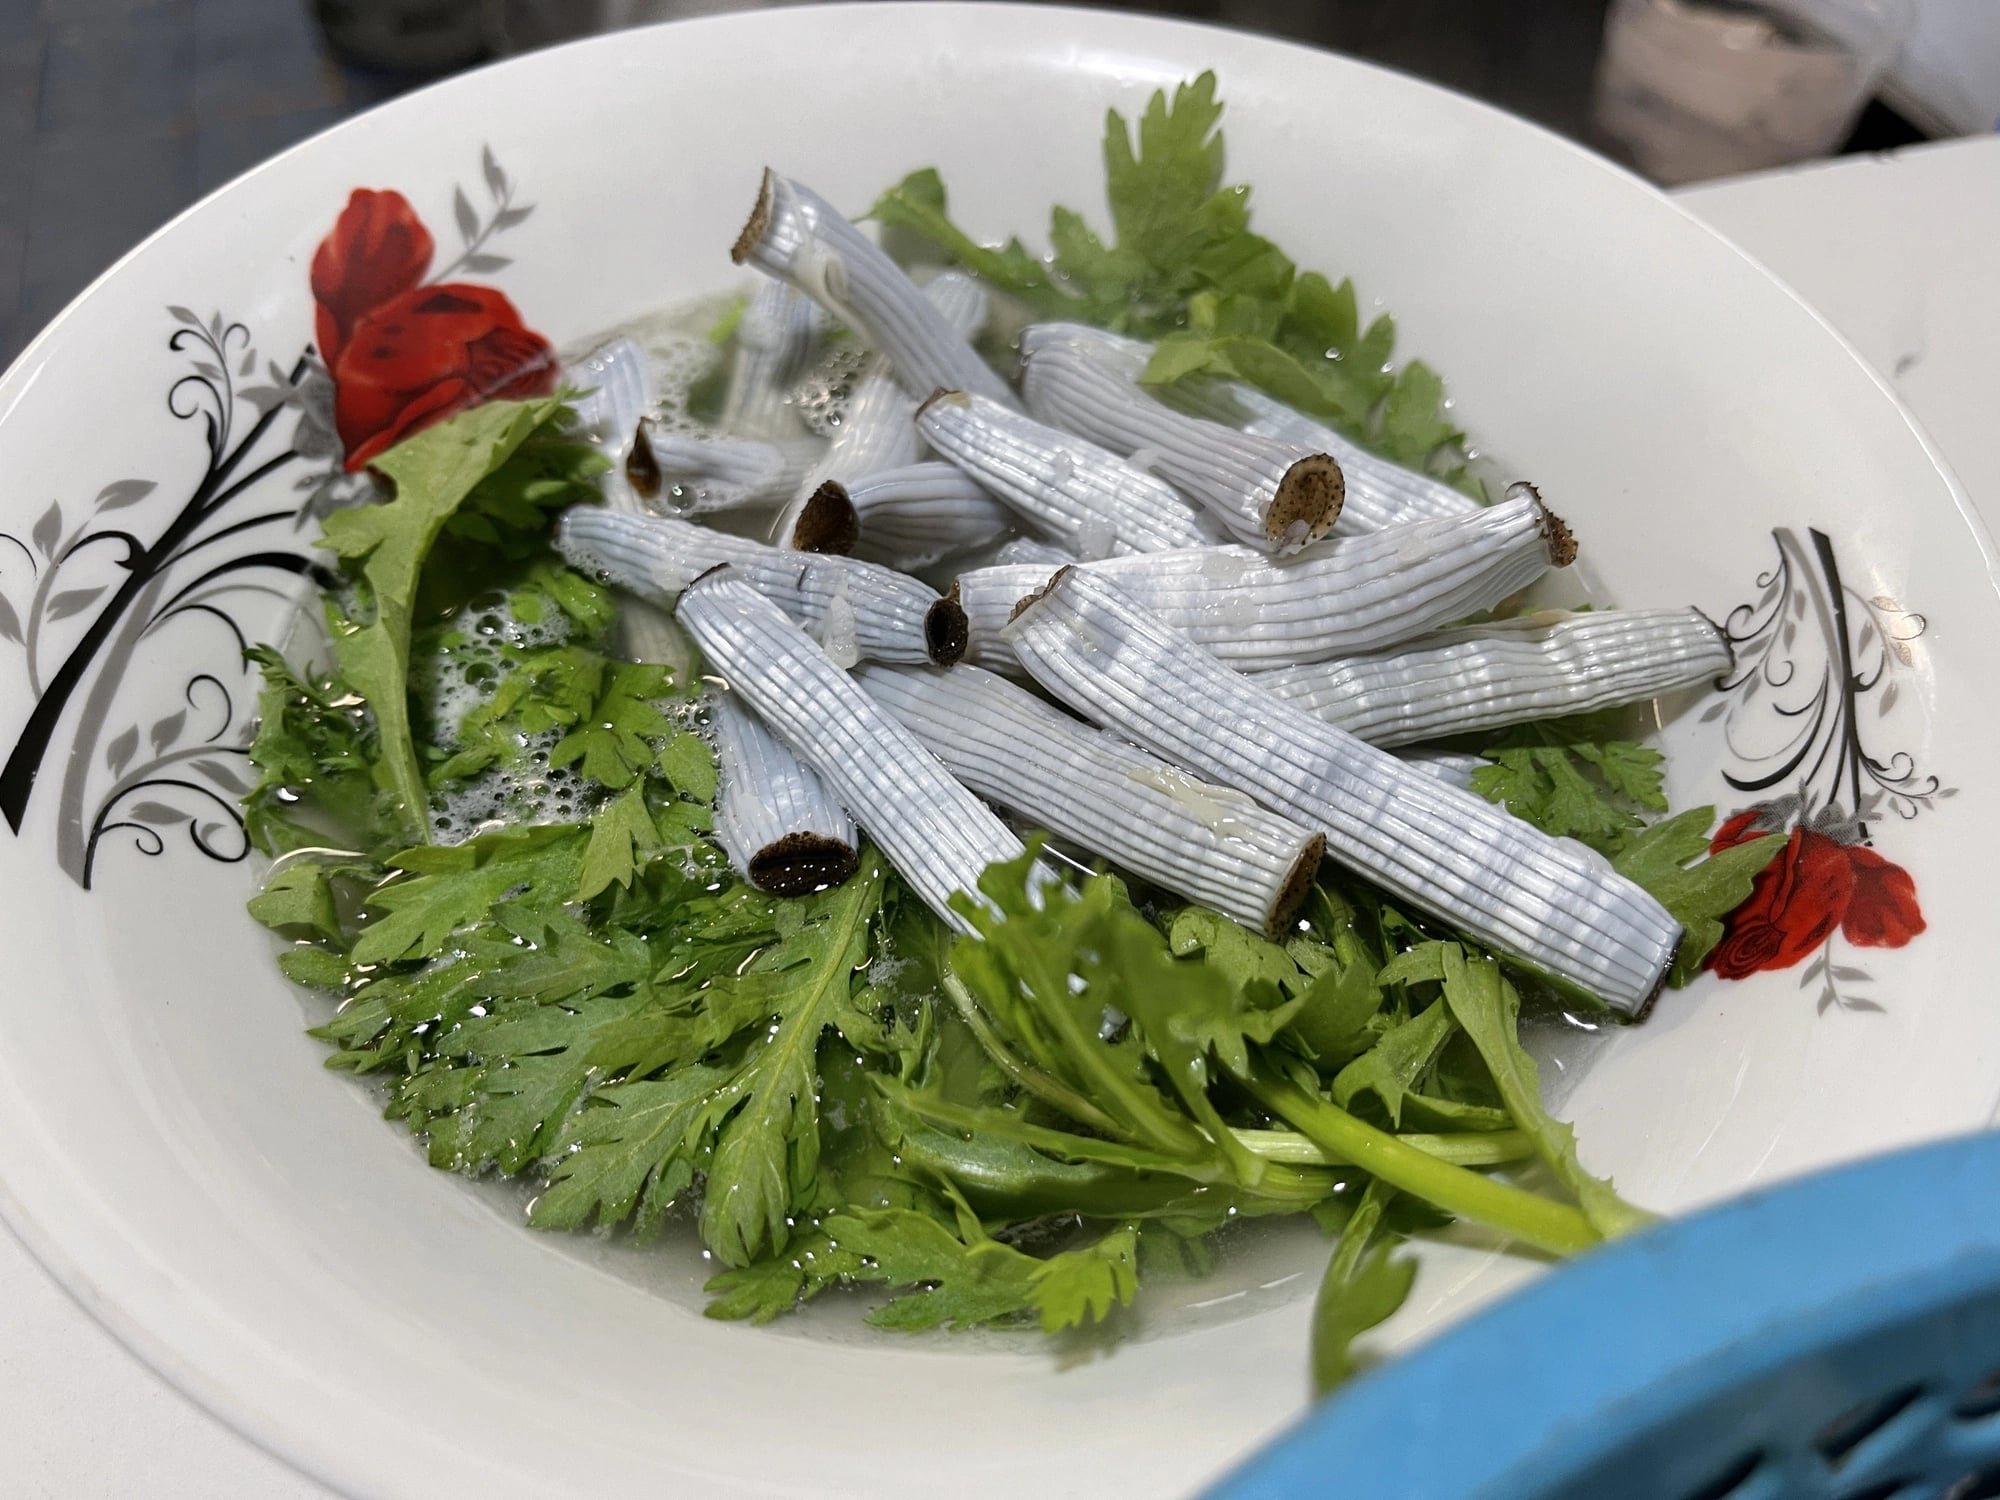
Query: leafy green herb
{"points": [[622, 835], [1533, 1219], [1489, 1008], [1000, 1130], [1052, 968], [613, 744], [314, 967], [627, 1155], [299, 896], [1021, 973], [1083, 1286], [434, 473], [1390, 1069], [1008, 1167], [917, 204], [767, 1118], [1340, 1013], [767, 1289], [688, 763], [956, 1279], [313, 741], [1595, 792], [507, 1080], [404, 1019], [546, 587], [509, 509], [560, 706], [981, 1281], [1365, 1282], [451, 888], [1700, 894], [1232, 950], [1183, 266]]}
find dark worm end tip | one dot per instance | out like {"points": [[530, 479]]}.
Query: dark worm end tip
{"points": [[1297, 884], [1562, 541], [642, 469], [1722, 637], [800, 864], [827, 522], [938, 393], [758, 223], [947, 631], [700, 578], [1312, 492], [1645, 1007], [1555, 530], [1028, 601]]}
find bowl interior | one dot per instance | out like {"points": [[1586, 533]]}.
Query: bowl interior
{"points": [[247, 1222]]}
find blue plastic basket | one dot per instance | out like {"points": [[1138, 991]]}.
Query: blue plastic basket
{"points": [[1836, 1337]]}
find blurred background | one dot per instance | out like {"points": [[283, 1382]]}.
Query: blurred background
{"points": [[116, 114]]}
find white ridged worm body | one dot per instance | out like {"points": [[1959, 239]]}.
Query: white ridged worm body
{"points": [[796, 235], [1379, 491], [774, 341], [1211, 844], [1079, 495], [876, 430], [782, 828], [692, 476], [937, 834], [903, 518], [1552, 905], [1271, 495], [616, 388], [1344, 596], [1027, 549], [1506, 672], [855, 609]]}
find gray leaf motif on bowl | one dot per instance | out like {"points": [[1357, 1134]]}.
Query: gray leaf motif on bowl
{"points": [[433, 347], [1819, 668]]}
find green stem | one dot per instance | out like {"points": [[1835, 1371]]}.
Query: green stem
{"points": [[1022, 1180], [1358, 1233], [1484, 1148], [1049, 1090], [1138, 1108], [1541, 1222], [974, 1120]]}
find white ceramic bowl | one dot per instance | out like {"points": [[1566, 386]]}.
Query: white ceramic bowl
{"points": [[244, 1220]]}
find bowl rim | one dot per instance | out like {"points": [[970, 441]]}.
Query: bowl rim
{"points": [[265, 1424]]}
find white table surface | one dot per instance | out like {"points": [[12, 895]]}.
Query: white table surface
{"points": [[1896, 251]]}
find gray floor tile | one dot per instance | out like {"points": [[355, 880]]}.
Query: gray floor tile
{"points": [[260, 57], [34, 315], [73, 12], [94, 194], [225, 148], [16, 175], [17, 163], [366, 89], [20, 91], [20, 20], [13, 251], [136, 71]]}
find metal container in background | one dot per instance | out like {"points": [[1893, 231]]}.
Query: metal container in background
{"points": [[523, 25], [1689, 89], [415, 37]]}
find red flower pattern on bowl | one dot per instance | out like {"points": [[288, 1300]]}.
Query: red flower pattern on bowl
{"points": [[403, 354], [1815, 886]]}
